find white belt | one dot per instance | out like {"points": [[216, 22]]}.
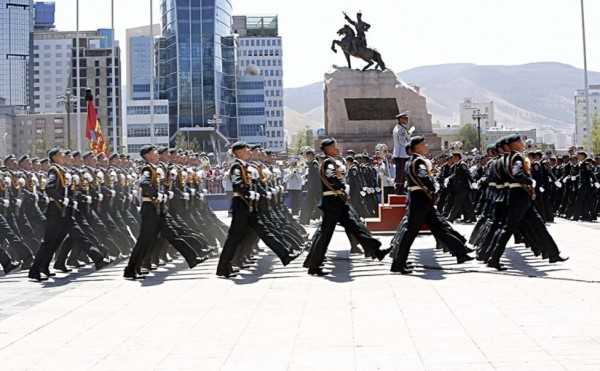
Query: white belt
{"points": [[333, 193], [416, 188], [516, 185]]}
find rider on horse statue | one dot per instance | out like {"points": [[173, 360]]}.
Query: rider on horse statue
{"points": [[355, 43], [361, 28]]}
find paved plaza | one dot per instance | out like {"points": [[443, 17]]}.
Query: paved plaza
{"points": [[535, 316]]}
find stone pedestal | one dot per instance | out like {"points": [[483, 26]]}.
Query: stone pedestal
{"points": [[360, 109]]}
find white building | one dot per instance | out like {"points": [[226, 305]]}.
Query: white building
{"points": [[582, 124], [251, 107], [139, 126], [467, 108], [260, 46], [52, 65]]}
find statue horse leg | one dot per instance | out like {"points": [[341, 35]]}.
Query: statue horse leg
{"points": [[349, 60], [333, 44]]}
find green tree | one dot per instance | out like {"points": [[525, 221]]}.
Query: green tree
{"points": [[468, 136], [596, 135], [302, 138]]}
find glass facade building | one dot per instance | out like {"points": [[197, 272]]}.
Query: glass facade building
{"points": [[199, 69], [16, 25], [44, 15]]}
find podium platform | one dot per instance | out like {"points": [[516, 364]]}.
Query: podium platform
{"points": [[390, 215]]}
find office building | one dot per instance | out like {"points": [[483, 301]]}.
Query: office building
{"points": [[251, 107], [260, 46], [44, 15], [140, 47], [139, 125], [199, 70], [35, 133], [16, 25]]}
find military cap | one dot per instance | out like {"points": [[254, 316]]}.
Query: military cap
{"points": [[239, 145], [327, 142], [23, 158], [512, 138], [350, 159], [402, 114], [415, 141], [35, 160], [76, 154], [350, 152], [87, 155], [491, 147], [268, 152], [162, 150], [114, 156], [67, 152], [147, 149], [123, 156], [43, 161], [582, 153], [255, 147], [53, 152], [309, 150]]}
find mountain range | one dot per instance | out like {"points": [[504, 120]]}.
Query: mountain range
{"points": [[535, 95]]}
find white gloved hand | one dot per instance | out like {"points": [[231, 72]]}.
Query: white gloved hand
{"points": [[542, 190], [269, 195], [573, 177], [113, 193], [186, 196], [363, 193], [171, 195], [88, 199], [597, 185], [193, 191], [66, 201], [533, 183], [19, 202], [100, 197], [75, 205], [558, 184], [5, 202]]}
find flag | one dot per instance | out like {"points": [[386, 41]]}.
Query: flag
{"points": [[93, 130]]}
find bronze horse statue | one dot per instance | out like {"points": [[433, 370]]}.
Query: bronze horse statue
{"points": [[347, 44]]}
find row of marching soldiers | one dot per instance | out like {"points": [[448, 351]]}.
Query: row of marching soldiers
{"points": [[74, 209], [567, 186]]}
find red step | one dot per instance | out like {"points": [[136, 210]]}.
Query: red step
{"points": [[390, 215]]}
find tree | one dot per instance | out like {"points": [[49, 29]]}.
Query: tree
{"points": [[596, 135], [468, 136], [302, 138]]}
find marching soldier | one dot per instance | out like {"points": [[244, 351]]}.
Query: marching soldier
{"points": [[421, 210], [336, 209]]}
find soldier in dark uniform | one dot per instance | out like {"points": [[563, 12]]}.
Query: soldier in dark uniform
{"points": [[154, 218], [521, 214], [244, 216], [313, 184], [421, 210], [336, 209], [461, 181]]}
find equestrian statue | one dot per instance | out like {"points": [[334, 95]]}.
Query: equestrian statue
{"points": [[354, 43]]}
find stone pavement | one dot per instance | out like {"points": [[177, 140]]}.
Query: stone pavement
{"points": [[535, 316]]}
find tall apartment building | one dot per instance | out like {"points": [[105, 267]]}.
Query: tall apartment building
{"points": [[140, 47], [96, 74], [260, 46], [467, 108], [53, 61], [583, 130], [16, 25]]}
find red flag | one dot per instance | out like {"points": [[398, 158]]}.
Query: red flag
{"points": [[92, 117]]}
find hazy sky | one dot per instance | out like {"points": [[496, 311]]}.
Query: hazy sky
{"points": [[408, 33]]}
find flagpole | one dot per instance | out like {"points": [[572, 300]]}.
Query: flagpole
{"points": [[77, 84], [588, 120], [114, 78], [152, 75]]}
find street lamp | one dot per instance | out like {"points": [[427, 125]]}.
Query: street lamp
{"points": [[477, 115], [66, 100]]}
